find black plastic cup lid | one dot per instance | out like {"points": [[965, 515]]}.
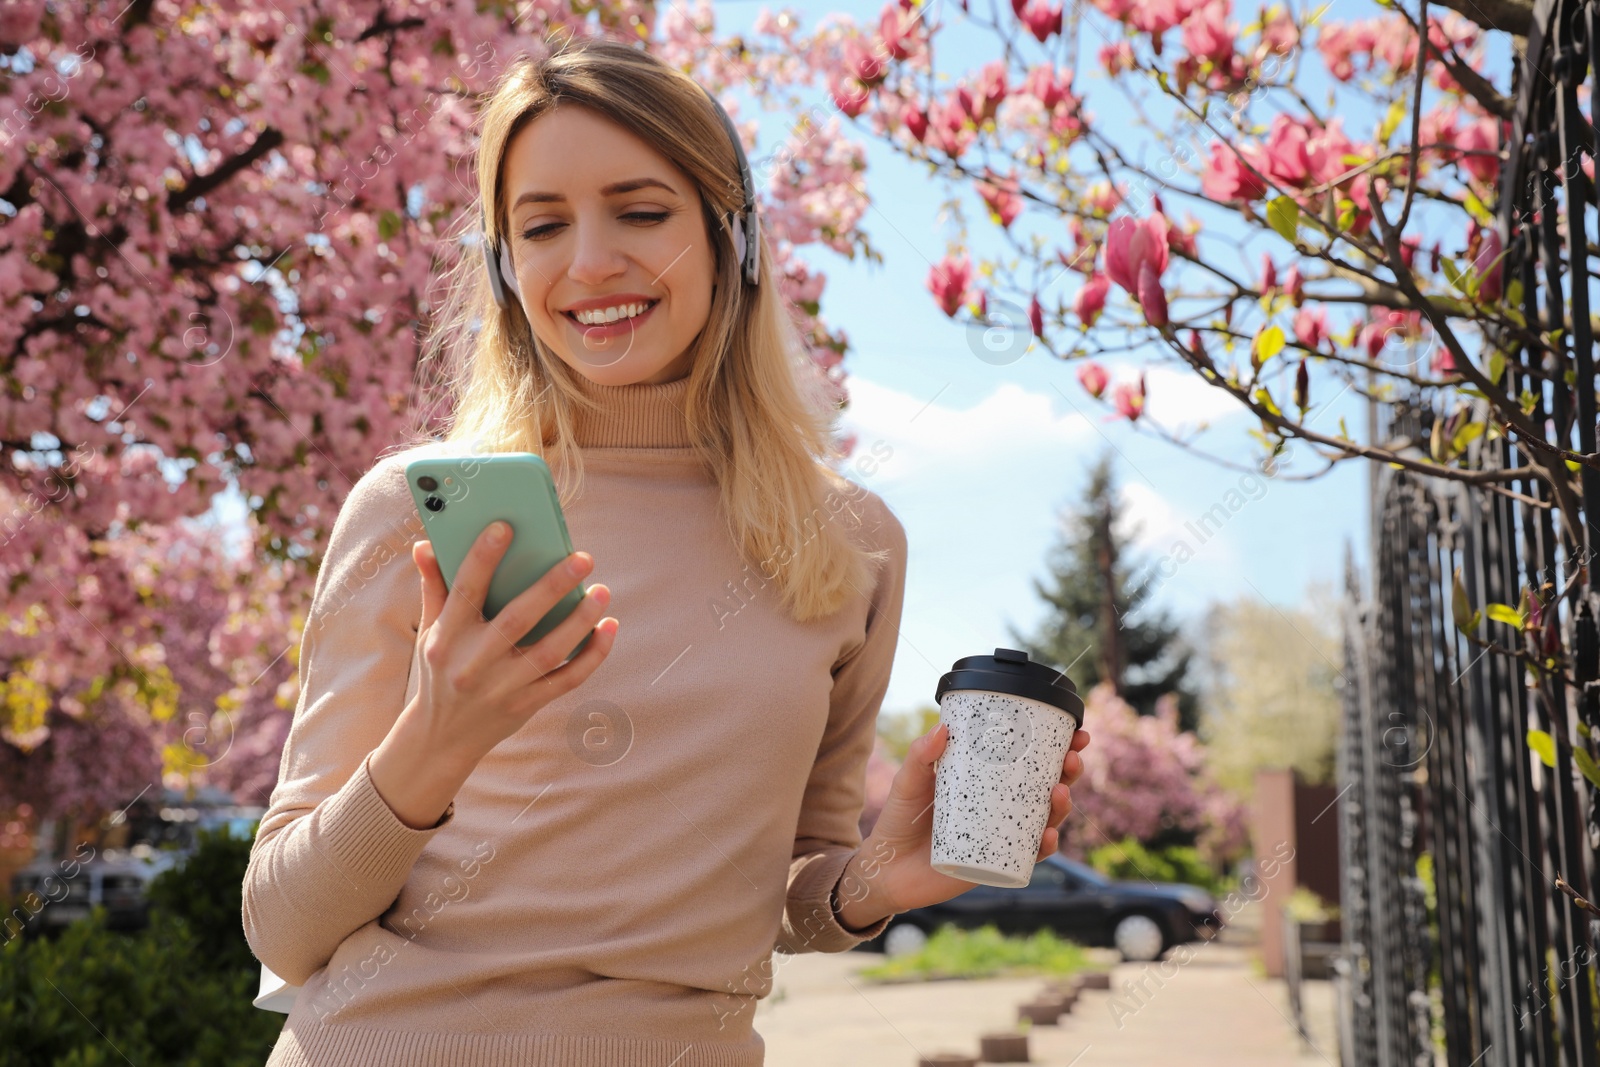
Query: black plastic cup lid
{"points": [[1010, 671]]}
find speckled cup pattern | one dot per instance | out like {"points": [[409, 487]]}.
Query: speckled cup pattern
{"points": [[992, 785]]}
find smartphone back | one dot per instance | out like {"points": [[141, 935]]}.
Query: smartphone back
{"points": [[457, 496]]}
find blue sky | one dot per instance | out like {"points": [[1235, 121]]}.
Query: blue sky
{"points": [[985, 457]]}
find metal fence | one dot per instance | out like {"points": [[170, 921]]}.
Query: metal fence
{"points": [[1460, 947]]}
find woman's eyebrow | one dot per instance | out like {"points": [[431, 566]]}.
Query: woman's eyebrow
{"points": [[610, 190]]}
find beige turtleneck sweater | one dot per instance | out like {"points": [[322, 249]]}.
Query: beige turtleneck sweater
{"points": [[611, 882]]}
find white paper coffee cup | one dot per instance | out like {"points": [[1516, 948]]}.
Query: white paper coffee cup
{"points": [[1011, 721]]}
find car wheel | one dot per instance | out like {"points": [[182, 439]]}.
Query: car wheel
{"points": [[904, 939], [1139, 939]]}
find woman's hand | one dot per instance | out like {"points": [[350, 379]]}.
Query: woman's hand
{"points": [[897, 855], [476, 686]]}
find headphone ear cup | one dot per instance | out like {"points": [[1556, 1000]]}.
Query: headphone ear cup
{"points": [[508, 272], [754, 276], [736, 231]]}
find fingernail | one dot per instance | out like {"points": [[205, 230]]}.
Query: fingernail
{"points": [[497, 532]]}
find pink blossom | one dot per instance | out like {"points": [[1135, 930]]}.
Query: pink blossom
{"points": [[1311, 326], [1128, 399], [1136, 256], [1284, 157], [951, 126], [1103, 198], [1341, 42], [1326, 148], [1091, 300], [1227, 179], [1294, 285], [1269, 273], [1000, 194], [1116, 58], [991, 90], [1116, 9], [1279, 34], [917, 123], [897, 30], [1207, 32], [947, 281], [1042, 20], [1490, 266], [1093, 377], [1043, 83], [1132, 245], [1147, 776], [1481, 137], [849, 96]]}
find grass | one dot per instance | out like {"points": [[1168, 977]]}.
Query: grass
{"points": [[983, 953]]}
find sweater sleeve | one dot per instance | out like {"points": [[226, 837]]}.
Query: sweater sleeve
{"points": [[330, 855], [829, 830]]}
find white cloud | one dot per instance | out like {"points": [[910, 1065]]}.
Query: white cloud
{"points": [[1149, 518], [1180, 399], [930, 435]]}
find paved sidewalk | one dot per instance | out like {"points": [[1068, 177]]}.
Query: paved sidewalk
{"points": [[1215, 1011]]}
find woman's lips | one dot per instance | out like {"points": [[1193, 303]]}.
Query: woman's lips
{"points": [[611, 329]]}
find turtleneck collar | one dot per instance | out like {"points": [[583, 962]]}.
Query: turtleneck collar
{"points": [[633, 416]]}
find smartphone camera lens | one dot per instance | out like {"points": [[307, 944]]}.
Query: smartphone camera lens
{"points": [[433, 503], [427, 483]]}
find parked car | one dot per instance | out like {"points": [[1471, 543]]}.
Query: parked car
{"points": [[1142, 920], [48, 894]]}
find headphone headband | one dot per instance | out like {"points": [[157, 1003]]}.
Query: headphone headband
{"points": [[744, 228]]}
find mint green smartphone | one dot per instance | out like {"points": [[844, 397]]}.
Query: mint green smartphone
{"points": [[457, 496]]}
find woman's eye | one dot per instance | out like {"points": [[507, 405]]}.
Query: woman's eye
{"points": [[540, 232]]}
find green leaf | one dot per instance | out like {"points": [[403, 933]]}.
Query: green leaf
{"points": [[1504, 613], [1586, 766], [1391, 121], [1453, 274], [389, 224], [1269, 342], [1347, 214], [1468, 433], [1283, 215], [1459, 606], [1545, 745], [1478, 210], [1497, 365], [1583, 730]]}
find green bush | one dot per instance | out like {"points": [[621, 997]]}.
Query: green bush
{"points": [[175, 994], [1128, 860], [952, 952]]}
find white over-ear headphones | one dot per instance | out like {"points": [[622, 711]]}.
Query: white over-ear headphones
{"points": [[743, 226]]}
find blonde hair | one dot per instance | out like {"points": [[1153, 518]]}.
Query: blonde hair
{"points": [[757, 413]]}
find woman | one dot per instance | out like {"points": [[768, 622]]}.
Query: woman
{"points": [[480, 854]]}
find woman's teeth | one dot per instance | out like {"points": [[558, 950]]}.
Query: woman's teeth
{"points": [[602, 316]]}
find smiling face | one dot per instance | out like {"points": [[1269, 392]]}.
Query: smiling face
{"points": [[602, 226]]}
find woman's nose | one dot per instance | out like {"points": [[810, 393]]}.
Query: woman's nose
{"points": [[595, 254]]}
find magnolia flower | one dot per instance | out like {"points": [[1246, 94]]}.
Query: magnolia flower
{"points": [[1001, 196], [1136, 257], [1311, 326], [1269, 273], [947, 281], [1041, 20], [1129, 399], [1093, 377], [1226, 177], [1091, 299], [1490, 266]]}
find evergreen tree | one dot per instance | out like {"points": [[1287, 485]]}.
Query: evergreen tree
{"points": [[1099, 626]]}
